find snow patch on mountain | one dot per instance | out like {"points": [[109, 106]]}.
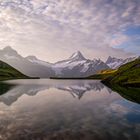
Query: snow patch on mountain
{"points": [[115, 63], [78, 66], [77, 56], [75, 66]]}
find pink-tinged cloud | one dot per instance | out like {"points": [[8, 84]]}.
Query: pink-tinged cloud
{"points": [[50, 28]]}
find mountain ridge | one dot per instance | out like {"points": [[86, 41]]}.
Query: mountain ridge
{"points": [[74, 66], [115, 63]]}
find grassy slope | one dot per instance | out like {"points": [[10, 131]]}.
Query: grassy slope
{"points": [[125, 80], [102, 74], [128, 74], [7, 72]]}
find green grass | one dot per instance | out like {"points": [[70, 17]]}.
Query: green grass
{"points": [[102, 74], [99, 76], [126, 75], [7, 72]]}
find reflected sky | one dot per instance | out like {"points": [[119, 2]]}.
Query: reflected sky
{"points": [[66, 110], [31, 87]]}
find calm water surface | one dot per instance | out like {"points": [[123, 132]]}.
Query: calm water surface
{"points": [[66, 110]]}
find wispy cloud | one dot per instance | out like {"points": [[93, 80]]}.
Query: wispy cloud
{"points": [[57, 27]]}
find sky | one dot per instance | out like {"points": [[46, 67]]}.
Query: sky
{"points": [[54, 29]]}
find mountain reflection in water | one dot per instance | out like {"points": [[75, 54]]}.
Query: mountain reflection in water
{"points": [[66, 110], [29, 87]]}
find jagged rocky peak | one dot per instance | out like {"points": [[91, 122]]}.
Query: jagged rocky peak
{"points": [[115, 63], [97, 60], [77, 56], [9, 50], [112, 59], [31, 57]]}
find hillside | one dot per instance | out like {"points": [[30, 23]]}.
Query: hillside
{"points": [[102, 74], [7, 72], [128, 74]]}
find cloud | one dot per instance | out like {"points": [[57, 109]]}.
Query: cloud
{"points": [[62, 27], [119, 39]]}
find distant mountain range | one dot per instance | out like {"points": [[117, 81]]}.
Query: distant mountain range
{"points": [[30, 65], [78, 66], [115, 63], [75, 66]]}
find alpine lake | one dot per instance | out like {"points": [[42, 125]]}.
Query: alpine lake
{"points": [[47, 109]]}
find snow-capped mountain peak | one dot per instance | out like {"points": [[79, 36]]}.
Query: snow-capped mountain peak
{"points": [[115, 63], [75, 66], [9, 53], [113, 59], [78, 66], [30, 66], [77, 56]]}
